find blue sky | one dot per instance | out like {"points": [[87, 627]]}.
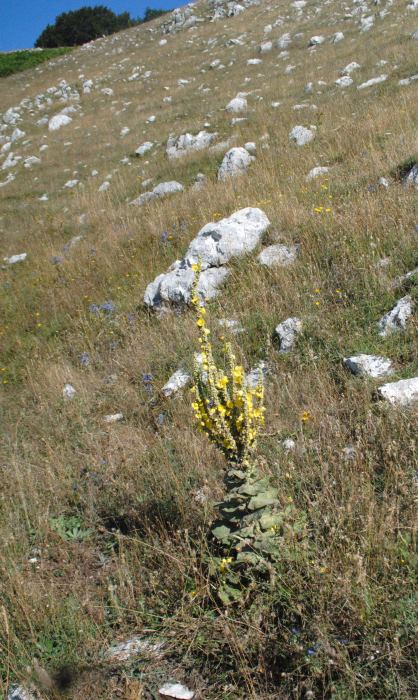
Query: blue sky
{"points": [[21, 21]]}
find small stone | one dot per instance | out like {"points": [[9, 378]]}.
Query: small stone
{"points": [[59, 121], [161, 190], [13, 259], [144, 148], [278, 255], [402, 393], [369, 365], [412, 177], [21, 693], [301, 135], [176, 690], [316, 40], [255, 375], [289, 445], [113, 418], [68, 391], [317, 172], [344, 81], [396, 318], [134, 646], [287, 332], [349, 452], [238, 104], [177, 381], [372, 81]]}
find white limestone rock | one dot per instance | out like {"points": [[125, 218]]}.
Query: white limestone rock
{"points": [[350, 68], [301, 135], [396, 318], [124, 651], [278, 255], [412, 177], [344, 81], [256, 375], [214, 245], [113, 418], [13, 259], [144, 148], [178, 146], [161, 190], [238, 104], [235, 162], [21, 693], [68, 391], [217, 243], [316, 40], [372, 81], [59, 121], [369, 365], [176, 690], [402, 393], [284, 41], [174, 287], [337, 37], [266, 47], [317, 172], [177, 381], [287, 332]]}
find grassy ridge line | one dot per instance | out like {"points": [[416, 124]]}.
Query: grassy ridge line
{"points": [[18, 61]]}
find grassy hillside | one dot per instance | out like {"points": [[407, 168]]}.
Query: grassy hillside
{"points": [[16, 61], [104, 526]]}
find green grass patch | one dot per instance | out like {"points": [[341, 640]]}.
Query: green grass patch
{"points": [[17, 61]]}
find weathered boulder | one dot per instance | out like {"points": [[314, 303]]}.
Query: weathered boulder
{"points": [[178, 146], [235, 162], [161, 190], [214, 245], [174, 287], [369, 365], [237, 235], [402, 393]]}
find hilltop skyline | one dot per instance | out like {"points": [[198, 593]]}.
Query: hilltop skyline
{"points": [[23, 21]]}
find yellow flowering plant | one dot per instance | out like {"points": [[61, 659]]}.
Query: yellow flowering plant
{"points": [[230, 411]]}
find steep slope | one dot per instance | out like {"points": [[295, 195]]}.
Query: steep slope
{"points": [[108, 488]]}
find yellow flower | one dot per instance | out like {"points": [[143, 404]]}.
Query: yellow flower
{"points": [[200, 322], [197, 267]]}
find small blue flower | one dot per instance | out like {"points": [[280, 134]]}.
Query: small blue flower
{"points": [[108, 307], [84, 359], [164, 237], [161, 418]]}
